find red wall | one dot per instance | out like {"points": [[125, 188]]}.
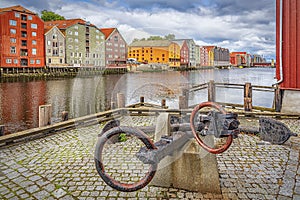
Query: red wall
{"points": [[290, 44]]}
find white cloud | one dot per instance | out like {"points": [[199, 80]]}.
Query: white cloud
{"points": [[246, 30]]}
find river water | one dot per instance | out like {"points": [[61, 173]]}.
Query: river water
{"points": [[20, 100]]}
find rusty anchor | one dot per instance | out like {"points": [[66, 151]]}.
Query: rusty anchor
{"points": [[218, 123]]}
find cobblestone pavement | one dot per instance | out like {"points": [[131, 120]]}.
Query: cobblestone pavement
{"points": [[61, 166]]}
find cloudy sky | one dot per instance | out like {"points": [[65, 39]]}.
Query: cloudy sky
{"points": [[240, 25]]}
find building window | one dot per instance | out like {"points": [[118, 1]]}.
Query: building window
{"points": [[29, 17], [54, 44], [75, 33], [31, 61], [17, 15], [16, 61], [49, 60], [70, 47], [33, 51], [70, 32], [13, 31], [8, 60], [70, 39], [61, 60], [54, 36], [12, 22], [55, 52], [13, 50], [38, 61], [71, 54], [33, 33], [13, 40], [49, 50], [34, 42], [34, 26], [76, 40], [76, 27]]}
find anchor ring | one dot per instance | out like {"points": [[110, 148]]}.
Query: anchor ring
{"points": [[125, 187], [198, 139]]}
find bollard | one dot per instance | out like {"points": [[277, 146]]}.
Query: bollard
{"points": [[112, 105], [45, 115], [278, 99], [120, 100], [248, 97], [211, 96], [2, 130], [64, 116]]}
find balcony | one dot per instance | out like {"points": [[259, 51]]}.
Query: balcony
{"points": [[24, 25], [23, 34], [24, 17], [24, 43], [24, 52]]}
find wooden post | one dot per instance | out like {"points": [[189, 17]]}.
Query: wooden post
{"points": [[121, 100], [45, 115], [163, 103], [142, 100], [278, 99], [1, 130], [183, 102], [112, 105], [248, 97], [64, 116], [211, 96]]}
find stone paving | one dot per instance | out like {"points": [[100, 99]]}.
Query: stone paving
{"points": [[62, 166]]}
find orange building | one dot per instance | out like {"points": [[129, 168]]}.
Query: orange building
{"points": [[21, 38], [155, 51]]}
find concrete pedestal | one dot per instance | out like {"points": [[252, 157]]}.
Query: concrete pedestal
{"points": [[192, 168]]}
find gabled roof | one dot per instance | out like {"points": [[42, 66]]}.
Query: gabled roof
{"points": [[16, 8], [49, 28], [107, 31], [64, 24], [151, 43], [209, 47]]}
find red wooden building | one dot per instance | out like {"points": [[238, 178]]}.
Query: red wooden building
{"points": [[288, 53], [21, 38]]}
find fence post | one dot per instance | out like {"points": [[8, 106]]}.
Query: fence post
{"points": [[248, 97], [45, 115], [278, 99], [163, 103], [142, 100], [183, 102], [120, 100], [211, 96], [1, 130], [64, 116]]}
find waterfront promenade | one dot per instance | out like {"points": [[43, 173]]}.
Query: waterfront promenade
{"points": [[61, 166]]}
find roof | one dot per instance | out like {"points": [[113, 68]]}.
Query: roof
{"points": [[209, 47], [49, 28], [17, 8], [107, 31], [179, 42], [64, 24], [151, 43]]}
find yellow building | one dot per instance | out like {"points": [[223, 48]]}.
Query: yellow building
{"points": [[155, 51]]}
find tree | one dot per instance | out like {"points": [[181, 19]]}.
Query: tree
{"points": [[51, 16], [170, 36], [155, 38]]}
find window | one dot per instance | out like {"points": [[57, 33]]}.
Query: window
{"points": [[33, 51], [116, 38], [34, 42], [29, 17], [17, 15], [71, 54], [49, 50], [13, 50], [61, 60], [12, 22], [16, 61], [55, 52], [75, 33], [76, 27], [38, 61], [13, 40], [54, 44], [31, 61], [97, 37], [70, 47], [49, 60], [54, 36], [8, 60], [13, 31], [33, 33], [70, 32], [48, 42], [76, 40], [70, 39], [34, 26]]}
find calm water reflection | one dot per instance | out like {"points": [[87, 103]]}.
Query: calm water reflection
{"points": [[19, 101]]}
